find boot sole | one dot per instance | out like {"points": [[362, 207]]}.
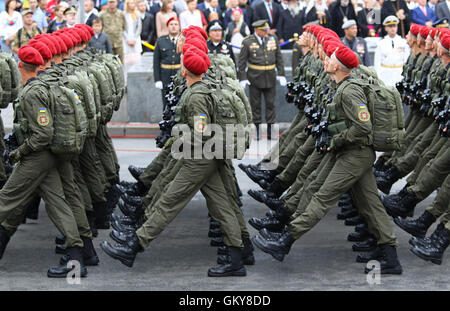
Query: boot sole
{"points": [[62, 276], [126, 262], [112, 236], [87, 262], [407, 230], [277, 256], [122, 229], [231, 273], [395, 270], [421, 256], [250, 193]]}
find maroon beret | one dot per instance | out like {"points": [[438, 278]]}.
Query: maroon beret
{"points": [[347, 57], [42, 49], [30, 55]]}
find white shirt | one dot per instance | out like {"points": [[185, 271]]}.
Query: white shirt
{"points": [[188, 18], [269, 5], [390, 56], [9, 25]]}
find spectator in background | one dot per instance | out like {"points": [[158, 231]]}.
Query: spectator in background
{"points": [[356, 44], [114, 25], [148, 25], [213, 16], [212, 7], [243, 5], [26, 33], [290, 22], [236, 30], [90, 12], [59, 21], [42, 5], [432, 4], [179, 6], [163, 16], [216, 44], [341, 11], [316, 10], [38, 16], [51, 6], [423, 14], [411, 4], [153, 6], [443, 10], [100, 39], [231, 5], [399, 9], [367, 19], [103, 6], [192, 16], [70, 15], [268, 10], [10, 23], [132, 34]]}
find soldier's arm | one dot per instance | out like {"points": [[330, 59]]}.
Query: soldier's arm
{"points": [[15, 44], [279, 60], [40, 120], [243, 57], [354, 104], [199, 117], [157, 62]]}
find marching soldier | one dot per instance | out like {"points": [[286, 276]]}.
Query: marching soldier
{"points": [[262, 54], [216, 42], [356, 44], [391, 54], [114, 24], [166, 60]]}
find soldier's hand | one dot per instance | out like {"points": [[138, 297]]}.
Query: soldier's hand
{"points": [[16, 155], [159, 85], [282, 80], [244, 83]]}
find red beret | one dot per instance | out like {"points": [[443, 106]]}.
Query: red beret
{"points": [[331, 48], [414, 30], [44, 38], [194, 30], [445, 41], [424, 31], [347, 57], [65, 39], [173, 18], [74, 34], [196, 61], [433, 32], [82, 33], [42, 49], [89, 28], [198, 43], [60, 46], [30, 55], [86, 29]]}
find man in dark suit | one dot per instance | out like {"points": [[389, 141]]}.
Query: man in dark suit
{"points": [[153, 6], [148, 25], [423, 14], [290, 22], [341, 11], [89, 12], [210, 7], [268, 10], [442, 10], [400, 9]]}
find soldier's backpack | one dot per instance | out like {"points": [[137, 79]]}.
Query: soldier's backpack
{"points": [[69, 119], [98, 72], [115, 66], [9, 79], [80, 82], [386, 113]]}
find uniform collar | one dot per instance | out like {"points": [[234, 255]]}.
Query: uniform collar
{"points": [[30, 80]]}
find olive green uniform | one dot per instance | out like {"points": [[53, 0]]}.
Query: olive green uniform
{"points": [[114, 25], [262, 59], [22, 37]]}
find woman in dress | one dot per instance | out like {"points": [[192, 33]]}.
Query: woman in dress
{"points": [[163, 16], [10, 23], [132, 47]]}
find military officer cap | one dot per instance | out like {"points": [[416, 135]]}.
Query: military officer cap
{"points": [[112, 0], [214, 25], [349, 23], [441, 23], [70, 10], [261, 24], [27, 11], [391, 20]]}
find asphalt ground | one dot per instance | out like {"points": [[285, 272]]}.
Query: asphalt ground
{"points": [[180, 257]]}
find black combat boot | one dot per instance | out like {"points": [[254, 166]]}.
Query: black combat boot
{"points": [[121, 237], [213, 224], [353, 221], [255, 167], [257, 175], [347, 214], [362, 227], [126, 254], [60, 239], [136, 171], [91, 220], [416, 227], [138, 189], [277, 249], [385, 183], [128, 210], [126, 184], [357, 236], [33, 209], [260, 195], [376, 254], [257, 131], [123, 220], [217, 242], [393, 199], [90, 257], [277, 187], [269, 235], [60, 249], [365, 246], [345, 200], [404, 207], [101, 213], [112, 197], [74, 253], [379, 164], [4, 240], [389, 264], [215, 233], [247, 255], [435, 236], [123, 228], [271, 224], [234, 268], [222, 250], [131, 200], [434, 251]]}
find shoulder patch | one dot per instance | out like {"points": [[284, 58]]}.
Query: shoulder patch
{"points": [[363, 113], [43, 118]]}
